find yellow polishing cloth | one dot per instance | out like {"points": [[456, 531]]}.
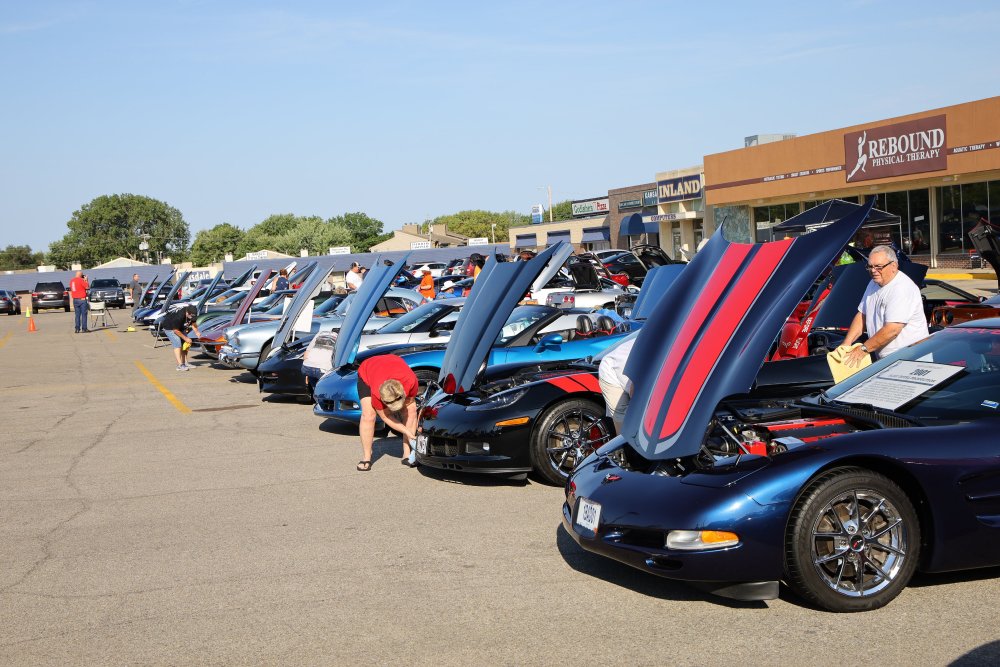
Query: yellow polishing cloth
{"points": [[186, 346], [840, 370]]}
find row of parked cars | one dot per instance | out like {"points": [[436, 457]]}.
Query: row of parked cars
{"points": [[740, 465]]}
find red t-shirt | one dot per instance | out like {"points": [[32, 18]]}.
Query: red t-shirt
{"points": [[376, 370], [78, 288]]}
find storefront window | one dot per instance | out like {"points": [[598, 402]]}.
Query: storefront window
{"points": [[975, 207], [920, 222], [994, 189], [950, 216]]}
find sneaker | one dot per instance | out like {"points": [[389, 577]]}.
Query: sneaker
{"points": [[182, 367]]}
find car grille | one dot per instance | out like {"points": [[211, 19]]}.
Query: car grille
{"points": [[442, 447]]}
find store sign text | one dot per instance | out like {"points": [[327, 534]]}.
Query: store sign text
{"points": [[894, 150], [679, 189], [629, 203], [590, 207]]}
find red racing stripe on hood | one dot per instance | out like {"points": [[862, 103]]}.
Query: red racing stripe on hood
{"points": [[720, 332], [723, 274]]}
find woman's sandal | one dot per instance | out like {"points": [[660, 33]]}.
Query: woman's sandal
{"points": [[364, 466]]}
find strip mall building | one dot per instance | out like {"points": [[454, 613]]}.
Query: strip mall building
{"points": [[939, 171]]}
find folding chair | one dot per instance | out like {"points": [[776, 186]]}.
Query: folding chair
{"points": [[99, 312]]}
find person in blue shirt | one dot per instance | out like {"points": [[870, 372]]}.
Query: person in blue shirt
{"points": [[282, 281]]}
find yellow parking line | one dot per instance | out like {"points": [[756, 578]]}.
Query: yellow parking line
{"points": [[176, 402], [110, 334], [3, 341]]}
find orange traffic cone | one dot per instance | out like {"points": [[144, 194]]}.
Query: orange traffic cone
{"points": [[31, 325]]}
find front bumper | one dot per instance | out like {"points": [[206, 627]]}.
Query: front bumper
{"points": [[470, 441], [336, 397], [638, 510], [283, 377]]}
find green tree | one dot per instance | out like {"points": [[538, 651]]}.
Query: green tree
{"points": [[114, 225], [365, 230], [211, 245], [264, 235], [560, 211], [315, 235], [15, 257], [478, 223]]}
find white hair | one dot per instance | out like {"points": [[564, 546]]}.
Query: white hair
{"points": [[890, 254]]}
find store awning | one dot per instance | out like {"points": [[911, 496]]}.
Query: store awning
{"points": [[596, 235], [553, 238], [829, 212], [632, 225], [525, 241]]}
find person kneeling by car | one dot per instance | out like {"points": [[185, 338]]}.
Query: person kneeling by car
{"points": [[387, 388], [175, 325]]}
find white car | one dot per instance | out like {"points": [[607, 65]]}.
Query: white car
{"points": [[436, 269]]}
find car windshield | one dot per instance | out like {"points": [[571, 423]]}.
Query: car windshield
{"points": [[415, 318], [330, 305], [523, 318], [955, 376], [105, 282], [198, 292], [271, 300], [234, 299]]}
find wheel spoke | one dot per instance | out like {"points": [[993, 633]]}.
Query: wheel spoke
{"points": [[828, 558], [840, 573], [870, 515], [885, 530], [859, 585], [873, 565], [886, 547], [856, 510]]}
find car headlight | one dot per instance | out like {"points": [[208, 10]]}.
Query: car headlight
{"points": [[700, 540], [500, 400], [233, 340]]}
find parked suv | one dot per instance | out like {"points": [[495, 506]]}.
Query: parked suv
{"points": [[9, 303], [108, 290], [49, 295]]}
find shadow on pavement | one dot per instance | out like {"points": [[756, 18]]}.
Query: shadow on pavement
{"points": [[634, 580], [987, 654], [471, 479]]}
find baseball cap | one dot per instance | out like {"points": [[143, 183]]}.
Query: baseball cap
{"points": [[392, 394]]}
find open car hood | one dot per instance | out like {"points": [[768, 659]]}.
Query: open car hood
{"points": [[499, 288], [243, 277], [162, 286], [303, 296], [657, 282], [376, 283], [211, 289], [585, 276], [248, 300], [709, 335], [137, 303], [986, 239], [175, 292]]}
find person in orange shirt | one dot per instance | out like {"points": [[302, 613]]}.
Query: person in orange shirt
{"points": [[427, 285], [78, 287]]}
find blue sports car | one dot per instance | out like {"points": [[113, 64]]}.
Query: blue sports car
{"points": [[842, 495], [529, 333]]}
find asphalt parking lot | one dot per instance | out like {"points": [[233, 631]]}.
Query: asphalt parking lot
{"points": [[149, 516]]}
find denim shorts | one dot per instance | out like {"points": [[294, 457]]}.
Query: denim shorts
{"points": [[174, 338]]}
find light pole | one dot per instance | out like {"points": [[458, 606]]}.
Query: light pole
{"points": [[493, 232]]}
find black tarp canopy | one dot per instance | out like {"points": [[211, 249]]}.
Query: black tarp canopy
{"points": [[831, 211]]}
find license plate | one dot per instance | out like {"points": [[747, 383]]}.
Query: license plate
{"points": [[588, 514], [422, 445]]}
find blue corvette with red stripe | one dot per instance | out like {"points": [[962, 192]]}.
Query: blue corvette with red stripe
{"points": [[841, 495]]}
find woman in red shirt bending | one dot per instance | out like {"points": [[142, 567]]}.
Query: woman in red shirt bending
{"points": [[387, 388]]}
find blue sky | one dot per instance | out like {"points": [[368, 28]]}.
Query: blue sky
{"points": [[231, 111]]}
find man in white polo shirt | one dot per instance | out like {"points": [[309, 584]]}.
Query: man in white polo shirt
{"points": [[891, 311]]}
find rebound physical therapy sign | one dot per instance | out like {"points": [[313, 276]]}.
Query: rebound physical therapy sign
{"points": [[904, 148]]}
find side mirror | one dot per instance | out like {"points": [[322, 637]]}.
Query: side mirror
{"points": [[550, 341]]}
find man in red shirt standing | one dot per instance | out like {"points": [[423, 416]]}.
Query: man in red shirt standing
{"points": [[387, 388], [78, 287]]}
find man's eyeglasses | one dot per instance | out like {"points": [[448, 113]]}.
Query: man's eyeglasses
{"points": [[878, 267]]}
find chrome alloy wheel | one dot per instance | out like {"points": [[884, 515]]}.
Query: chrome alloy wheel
{"points": [[859, 543], [572, 438]]}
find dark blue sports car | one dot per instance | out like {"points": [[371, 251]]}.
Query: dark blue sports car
{"points": [[842, 495]]}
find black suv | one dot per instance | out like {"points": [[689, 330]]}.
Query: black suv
{"points": [[108, 290], [49, 295], [9, 303]]}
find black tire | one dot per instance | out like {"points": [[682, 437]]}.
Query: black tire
{"points": [[424, 376], [837, 559], [564, 435], [264, 351]]}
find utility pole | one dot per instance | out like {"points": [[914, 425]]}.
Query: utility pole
{"points": [[550, 203]]}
